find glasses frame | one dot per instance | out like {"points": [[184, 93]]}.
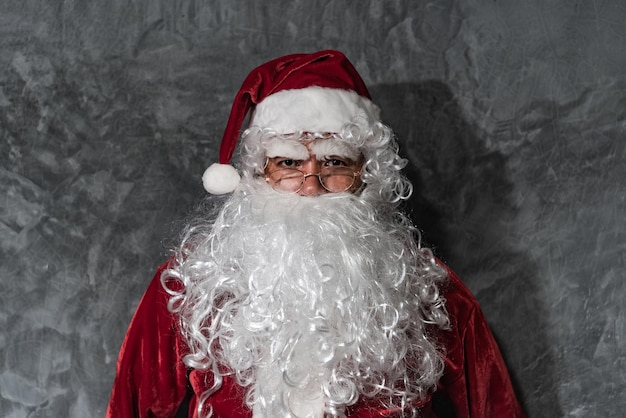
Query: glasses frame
{"points": [[355, 174]]}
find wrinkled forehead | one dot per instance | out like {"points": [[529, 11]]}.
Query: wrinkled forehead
{"points": [[300, 148]]}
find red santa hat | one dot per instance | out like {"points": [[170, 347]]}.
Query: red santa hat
{"points": [[318, 92]]}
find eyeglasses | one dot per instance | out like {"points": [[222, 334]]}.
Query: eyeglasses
{"points": [[333, 179]]}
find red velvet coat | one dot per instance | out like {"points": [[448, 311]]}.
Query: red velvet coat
{"points": [[152, 380]]}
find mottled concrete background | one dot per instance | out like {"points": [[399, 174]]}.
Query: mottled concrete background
{"points": [[513, 114]]}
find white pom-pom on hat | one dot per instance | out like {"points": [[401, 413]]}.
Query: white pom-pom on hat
{"points": [[220, 179], [319, 92]]}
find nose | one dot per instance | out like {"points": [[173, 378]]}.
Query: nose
{"points": [[312, 185]]}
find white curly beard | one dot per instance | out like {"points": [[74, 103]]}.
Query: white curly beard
{"points": [[312, 303]]}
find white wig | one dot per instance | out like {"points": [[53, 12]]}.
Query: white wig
{"points": [[354, 290]]}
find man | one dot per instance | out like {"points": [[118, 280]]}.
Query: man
{"points": [[307, 294]]}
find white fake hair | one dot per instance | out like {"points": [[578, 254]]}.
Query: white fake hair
{"points": [[341, 277]]}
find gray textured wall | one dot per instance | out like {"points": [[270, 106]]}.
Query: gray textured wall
{"points": [[513, 114]]}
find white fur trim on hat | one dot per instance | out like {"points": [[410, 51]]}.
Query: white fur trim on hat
{"points": [[314, 109], [220, 178]]}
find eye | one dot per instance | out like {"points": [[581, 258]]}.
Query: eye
{"points": [[287, 163], [336, 162]]}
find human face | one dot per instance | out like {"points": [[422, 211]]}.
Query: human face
{"points": [[312, 168]]}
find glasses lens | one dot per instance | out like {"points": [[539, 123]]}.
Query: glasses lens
{"points": [[287, 180], [337, 179]]}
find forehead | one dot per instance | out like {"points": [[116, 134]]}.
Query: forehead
{"points": [[302, 148]]}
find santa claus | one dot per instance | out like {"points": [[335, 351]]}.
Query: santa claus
{"points": [[306, 293]]}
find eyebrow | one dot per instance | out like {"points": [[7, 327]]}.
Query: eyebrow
{"points": [[324, 148], [279, 147]]}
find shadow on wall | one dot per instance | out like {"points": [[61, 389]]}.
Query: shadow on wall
{"points": [[462, 203]]}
